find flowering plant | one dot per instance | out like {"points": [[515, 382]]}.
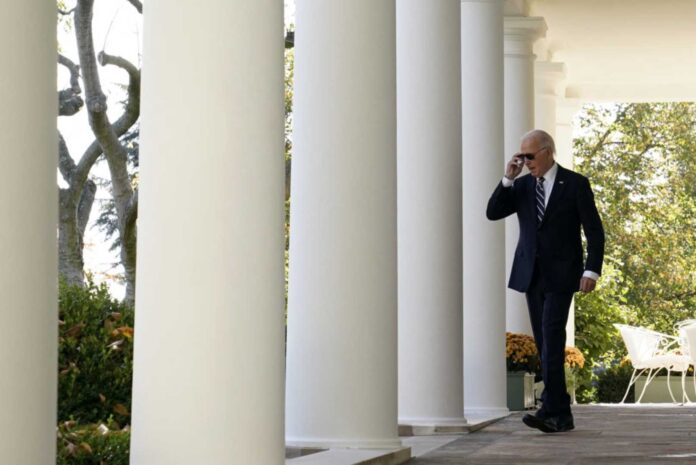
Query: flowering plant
{"points": [[521, 353], [574, 358]]}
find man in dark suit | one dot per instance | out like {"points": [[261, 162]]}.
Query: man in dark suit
{"points": [[552, 205]]}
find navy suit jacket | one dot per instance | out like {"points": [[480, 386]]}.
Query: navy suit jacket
{"points": [[556, 242]]}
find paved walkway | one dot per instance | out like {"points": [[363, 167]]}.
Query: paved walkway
{"points": [[604, 434]]}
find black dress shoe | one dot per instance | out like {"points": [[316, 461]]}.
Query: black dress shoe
{"points": [[533, 421], [557, 424]]}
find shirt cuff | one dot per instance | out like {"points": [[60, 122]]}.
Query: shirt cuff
{"points": [[507, 182], [590, 274]]}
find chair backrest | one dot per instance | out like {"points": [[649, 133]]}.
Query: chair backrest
{"points": [[642, 344], [687, 336]]}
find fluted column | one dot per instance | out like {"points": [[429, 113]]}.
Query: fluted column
{"points": [[566, 109], [28, 208], [430, 213], [520, 35], [209, 371], [483, 240], [342, 309], [549, 88]]}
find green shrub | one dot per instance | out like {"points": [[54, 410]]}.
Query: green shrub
{"points": [[95, 356], [90, 446], [612, 383]]}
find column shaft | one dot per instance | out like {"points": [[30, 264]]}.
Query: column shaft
{"points": [[548, 83], [28, 207], [208, 382], [520, 34], [342, 343], [483, 242], [430, 212]]}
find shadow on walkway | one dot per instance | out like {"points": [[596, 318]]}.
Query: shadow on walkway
{"points": [[604, 434]]}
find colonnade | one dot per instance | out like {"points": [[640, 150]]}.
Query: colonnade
{"points": [[409, 106]]}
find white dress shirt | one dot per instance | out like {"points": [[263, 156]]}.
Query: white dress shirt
{"points": [[549, 180]]}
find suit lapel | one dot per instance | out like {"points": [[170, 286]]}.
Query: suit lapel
{"points": [[558, 187]]}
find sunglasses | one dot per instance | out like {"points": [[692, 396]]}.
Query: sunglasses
{"points": [[531, 156]]}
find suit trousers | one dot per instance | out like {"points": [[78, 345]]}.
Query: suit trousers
{"points": [[548, 312]]}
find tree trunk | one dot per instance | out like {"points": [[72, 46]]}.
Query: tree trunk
{"points": [[71, 230], [107, 134]]}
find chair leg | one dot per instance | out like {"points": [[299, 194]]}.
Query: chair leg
{"points": [[633, 380], [685, 397], [669, 387], [651, 376]]}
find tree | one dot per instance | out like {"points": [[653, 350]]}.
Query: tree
{"points": [[641, 161], [76, 200]]}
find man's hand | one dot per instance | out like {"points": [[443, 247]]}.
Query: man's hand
{"points": [[514, 167], [587, 284]]}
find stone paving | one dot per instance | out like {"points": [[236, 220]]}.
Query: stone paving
{"points": [[604, 434]]}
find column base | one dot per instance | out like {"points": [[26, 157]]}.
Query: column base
{"points": [[328, 443], [358, 457], [421, 426], [478, 415]]}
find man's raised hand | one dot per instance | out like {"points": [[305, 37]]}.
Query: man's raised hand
{"points": [[514, 167]]}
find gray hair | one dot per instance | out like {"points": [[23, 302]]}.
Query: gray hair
{"points": [[543, 137]]}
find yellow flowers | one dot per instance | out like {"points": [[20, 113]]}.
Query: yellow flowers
{"points": [[574, 358], [521, 354]]}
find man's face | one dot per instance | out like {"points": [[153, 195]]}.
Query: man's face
{"points": [[543, 158]]}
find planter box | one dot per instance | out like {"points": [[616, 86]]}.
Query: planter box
{"points": [[657, 391], [520, 390]]}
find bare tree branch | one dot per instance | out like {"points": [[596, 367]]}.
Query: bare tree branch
{"points": [[69, 100], [106, 59], [121, 125], [85, 207], [137, 4], [107, 137], [69, 103], [66, 165], [74, 72], [68, 12], [132, 212]]}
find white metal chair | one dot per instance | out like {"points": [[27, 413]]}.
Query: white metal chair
{"points": [[687, 339], [652, 351]]}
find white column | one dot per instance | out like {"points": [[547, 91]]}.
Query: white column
{"points": [[549, 87], [342, 308], [566, 110], [28, 208], [483, 241], [208, 382], [520, 35], [430, 213]]}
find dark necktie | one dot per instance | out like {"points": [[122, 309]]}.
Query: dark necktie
{"points": [[540, 200]]}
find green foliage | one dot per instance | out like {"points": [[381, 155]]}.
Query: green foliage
{"points": [[641, 163], [612, 382], [95, 356], [289, 97], [595, 333], [90, 446]]}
